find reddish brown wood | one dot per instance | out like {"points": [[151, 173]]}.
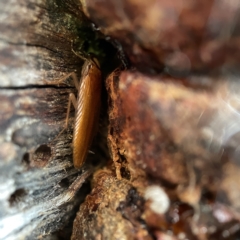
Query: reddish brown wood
{"points": [[36, 169], [175, 36]]}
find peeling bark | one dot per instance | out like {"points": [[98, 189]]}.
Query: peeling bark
{"points": [[39, 186], [173, 123], [173, 134], [177, 37]]}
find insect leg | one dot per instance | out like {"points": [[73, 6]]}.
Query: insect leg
{"points": [[64, 78], [72, 99]]}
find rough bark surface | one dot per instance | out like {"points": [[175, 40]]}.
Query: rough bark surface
{"points": [[173, 124], [189, 150], [103, 216], [172, 36], [173, 129], [35, 41], [38, 193]]}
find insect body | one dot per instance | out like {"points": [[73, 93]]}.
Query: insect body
{"points": [[87, 107], [87, 111]]}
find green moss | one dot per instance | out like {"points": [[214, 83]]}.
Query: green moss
{"points": [[71, 24]]}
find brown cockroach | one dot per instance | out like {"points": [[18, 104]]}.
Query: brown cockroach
{"points": [[87, 108]]}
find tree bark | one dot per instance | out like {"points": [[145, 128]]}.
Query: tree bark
{"points": [[173, 123], [173, 134], [38, 193]]}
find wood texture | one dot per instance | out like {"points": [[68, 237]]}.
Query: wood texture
{"points": [[38, 193], [173, 171], [175, 37], [173, 124]]}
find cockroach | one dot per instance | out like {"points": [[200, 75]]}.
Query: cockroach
{"points": [[87, 108]]}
